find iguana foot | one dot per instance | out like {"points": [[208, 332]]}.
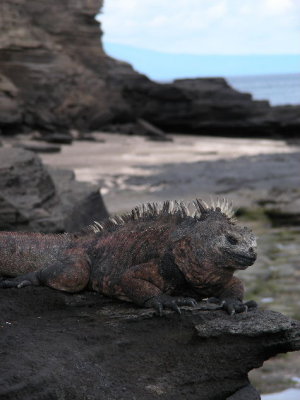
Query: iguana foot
{"points": [[164, 301], [20, 281], [233, 306]]}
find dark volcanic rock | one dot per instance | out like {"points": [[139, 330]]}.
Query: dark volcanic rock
{"points": [[208, 106], [80, 204], [31, 199], [38, 147], [27, 190], [85, 346], [197, 106], [287, 118], [265, 182], [282, 206], [54, 65], [153, 132], [60, 138], [246, 393], [10, 103], [139, 127]]}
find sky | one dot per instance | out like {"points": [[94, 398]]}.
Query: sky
{"points": [[152, 34], [204, 26]]}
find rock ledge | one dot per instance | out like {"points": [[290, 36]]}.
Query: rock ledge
{"points": [[88, 346]]}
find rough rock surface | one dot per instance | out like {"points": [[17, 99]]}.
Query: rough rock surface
{"points": [[38, 147], [55, 345], [208, 106], [33, 199], [139, 127], [10, 103], [197, 105], [282, 205], [54, 75], [53, 65]]}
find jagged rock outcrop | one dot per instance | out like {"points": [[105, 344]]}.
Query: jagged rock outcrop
{"points": [[198, 105], [85, 346], [53, 64], [208, 106], [10, 103], [282, 206], [35, 199], [54, 75]]}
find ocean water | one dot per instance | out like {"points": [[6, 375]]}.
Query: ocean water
{"points": [[277, 89], [289, 394]]}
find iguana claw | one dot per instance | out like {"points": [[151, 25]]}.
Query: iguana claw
{"points": [[165, 301], [233, 306]]}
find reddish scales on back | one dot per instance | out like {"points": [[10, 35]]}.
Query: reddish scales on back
{"points": [[143, 257]]}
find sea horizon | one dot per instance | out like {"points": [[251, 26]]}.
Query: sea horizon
{"points": [[278, 89]]}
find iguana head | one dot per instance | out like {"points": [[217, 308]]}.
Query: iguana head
{"points": [[215, 238], [225, 242]]}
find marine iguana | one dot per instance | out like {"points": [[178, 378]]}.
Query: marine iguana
{"points": [[142, 257]]}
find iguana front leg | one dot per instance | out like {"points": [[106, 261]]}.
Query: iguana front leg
{"points": [[144, 285], [231, 297]]}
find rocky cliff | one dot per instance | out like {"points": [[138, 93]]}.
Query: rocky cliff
{"points": [[54, 75], [52, 66]]}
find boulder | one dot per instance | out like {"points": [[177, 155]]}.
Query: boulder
{"points": [[11, 109], [37, 147], [86, 346], [282, 206], [152, 132], [80, 203], [139, 127], [34, 199], [59, 138]]}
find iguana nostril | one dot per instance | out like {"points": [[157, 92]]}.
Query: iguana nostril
{"points": [[252, 252]]}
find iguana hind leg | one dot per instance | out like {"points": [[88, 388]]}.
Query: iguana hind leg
{"points": [[70, 274], [29, 279]]}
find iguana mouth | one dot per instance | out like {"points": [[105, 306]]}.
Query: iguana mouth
{"points": [[243, 260]]}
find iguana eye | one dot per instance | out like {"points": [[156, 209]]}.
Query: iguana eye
{"points": [[231, 239]]}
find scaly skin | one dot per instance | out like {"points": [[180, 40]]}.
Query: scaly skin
{"points": [[142, 258]]}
